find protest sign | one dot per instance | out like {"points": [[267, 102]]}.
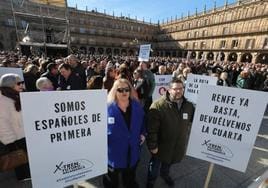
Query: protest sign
{"points": [[161, 85], [225, 125], [144, 53], [6, 70], [66, 136], [194, 83]]}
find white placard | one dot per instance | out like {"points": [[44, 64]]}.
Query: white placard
{"points": [[66, 135], [193, 84], [6, 70], [161, 85], [225, 126], [144, 53]]}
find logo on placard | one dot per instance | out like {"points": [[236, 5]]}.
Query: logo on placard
{"points": [[74, 166], [218, 148], [162, 90]]}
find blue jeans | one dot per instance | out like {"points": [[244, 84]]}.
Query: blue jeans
{"points": [[153, 169]]}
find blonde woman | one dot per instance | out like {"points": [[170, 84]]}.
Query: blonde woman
{"points": [[125, 134]]}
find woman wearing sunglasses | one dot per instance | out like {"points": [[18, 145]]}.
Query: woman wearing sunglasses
{"points": [[125, 135], [11, 127]]}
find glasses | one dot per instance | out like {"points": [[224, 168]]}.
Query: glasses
{"points": [[19, 83], [122, 90]]}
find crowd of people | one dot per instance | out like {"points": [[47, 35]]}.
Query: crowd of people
{"points": [[132, 115]]}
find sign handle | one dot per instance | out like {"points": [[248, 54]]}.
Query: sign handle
{"points": [[210, 170]]}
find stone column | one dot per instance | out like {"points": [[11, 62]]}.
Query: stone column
{"points": [[204, 56], [254, 57], [226, 54], [197, 54], [215, 54], [239, 56]]}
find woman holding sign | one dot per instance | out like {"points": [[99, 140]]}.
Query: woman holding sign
{"points": [[125, 134], [11, 128]]}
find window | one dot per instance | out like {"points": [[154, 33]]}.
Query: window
{"points": [[204, 33], [82, 30], [223, 44], [24, 24], [265, 44], [250, 43], [188, 35], [206, 22], [189, 25], [225, 31], [10, 22], [92, 31], [234, 43], [203, 45], [186, 45], [194, 45], [196, 34]]}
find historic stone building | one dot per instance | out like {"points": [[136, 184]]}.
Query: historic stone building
{"points": [[47, 27], [234, 32]]}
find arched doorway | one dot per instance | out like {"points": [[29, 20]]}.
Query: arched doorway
{"points": [[83, 50], [210, 56], [232, 57], [180, 53], [184, 54], [123, 52], [167, 53], [222, 56], [200, 55], [1, 46], [108, 51], [262, 58], [193, 55], [246, 57], [100, 51], [91, 50], [116, 51]]}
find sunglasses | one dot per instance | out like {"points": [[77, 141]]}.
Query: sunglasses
{"points": [[121, 90], [19, 83]]}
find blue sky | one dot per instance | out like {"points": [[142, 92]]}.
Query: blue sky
{"points": [[148, 9]]}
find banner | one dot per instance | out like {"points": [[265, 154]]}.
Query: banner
{"points": [[161, 85], [59, 3], [194, 83], [144, 53], [6, 70], [66, 135], [225, 126]]}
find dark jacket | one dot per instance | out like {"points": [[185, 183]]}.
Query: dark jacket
{"points": [[121, 139], [74, 82], [168, 128]]}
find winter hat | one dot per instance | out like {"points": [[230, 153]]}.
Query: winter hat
{"points": [[9, 80]]}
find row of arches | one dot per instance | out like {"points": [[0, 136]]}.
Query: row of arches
{"points": [[104, 51], [219, 56], [204, 55]]}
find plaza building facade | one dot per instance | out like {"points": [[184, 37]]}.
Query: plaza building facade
{"points": [[234, 32]]}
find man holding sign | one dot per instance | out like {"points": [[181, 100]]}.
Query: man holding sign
{"points": [[169, 120]]}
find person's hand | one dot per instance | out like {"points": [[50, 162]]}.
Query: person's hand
{"points": [[142, 137], [154, 151]]}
